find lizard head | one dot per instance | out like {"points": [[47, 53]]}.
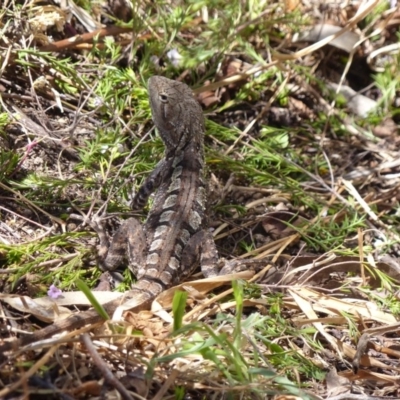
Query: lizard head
{"points": [[176, 113]]}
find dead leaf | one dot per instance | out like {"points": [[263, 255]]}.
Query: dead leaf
{"points": [[278, 223], [202, 286], [319, 32], [46, 313], [358, 103], [331, 305], [336, 384]]}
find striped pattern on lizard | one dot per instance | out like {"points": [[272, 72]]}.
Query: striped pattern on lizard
{"points": [[173, 241]]}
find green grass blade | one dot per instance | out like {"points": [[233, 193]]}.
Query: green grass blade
{"points": [[178, 308], [93, 301]]}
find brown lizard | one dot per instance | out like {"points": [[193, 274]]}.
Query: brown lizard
{"points": [[173, 241]]}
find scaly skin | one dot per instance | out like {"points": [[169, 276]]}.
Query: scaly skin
{"points": [[173, 241]]}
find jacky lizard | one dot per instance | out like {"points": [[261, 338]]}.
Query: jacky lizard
{"points": [[173, 241]]}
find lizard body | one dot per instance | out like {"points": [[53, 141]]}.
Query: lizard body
{"points": [[173, 241]]}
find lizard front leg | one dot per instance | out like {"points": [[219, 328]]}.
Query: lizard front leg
{"points": [[151, 183]]}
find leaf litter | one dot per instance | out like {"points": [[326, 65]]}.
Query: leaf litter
{"points": [[302, 148]]}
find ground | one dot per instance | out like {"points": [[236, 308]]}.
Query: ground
{"points": [[303, 169]]}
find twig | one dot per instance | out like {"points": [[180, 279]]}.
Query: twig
{"points": [[102, 366]]}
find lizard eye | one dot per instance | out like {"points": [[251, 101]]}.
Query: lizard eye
{"points": [[163, 98]]}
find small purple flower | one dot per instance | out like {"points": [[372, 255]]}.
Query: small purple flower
{"points": [[54, 292]]}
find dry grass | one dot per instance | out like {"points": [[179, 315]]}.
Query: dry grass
{"points": [[302, 151]]}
